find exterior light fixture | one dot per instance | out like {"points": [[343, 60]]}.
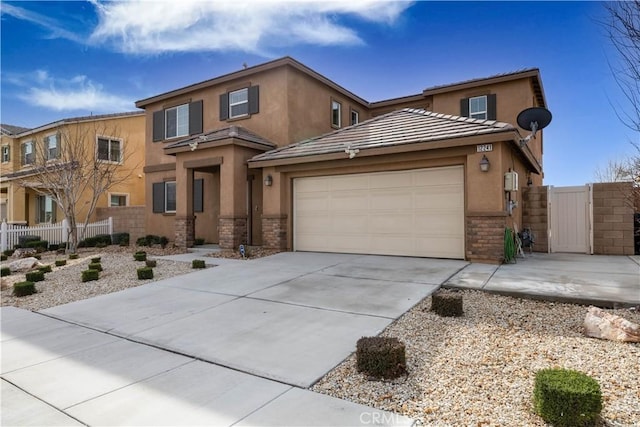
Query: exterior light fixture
{"points": [[268, 181], [484, 164]]}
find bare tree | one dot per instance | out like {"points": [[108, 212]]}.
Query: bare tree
{"points": [[76, 171]]}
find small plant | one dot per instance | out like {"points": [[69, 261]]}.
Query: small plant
{"points": [[34, 276], [38, 245], [198, 263], [121, 239], [37, 256], [163, 242], [140, 256], [89, 275], [22, 289], [61, 262], [142, 241], [5, 271], [145, 273], [73, 256], [3, 257], [96, 259], [567, 398], [447, 303], [381, 357], [54, 246], [8, 252], [151, 263], [45, 268], [61, 251], [198, 241], [95, 266]]}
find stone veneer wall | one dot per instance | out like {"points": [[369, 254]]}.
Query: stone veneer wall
{"points": [[485, 237], [535, 215], [126, 219], [274, 231], [185, 227], [232, 232], [612, 219]]}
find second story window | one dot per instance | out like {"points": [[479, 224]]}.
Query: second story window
{"points": [[177, 121], [238, 103], [6, 153], [478, 107], [336, 114], [28, 157], [181, 120], [51, 146], [355, 117], [109, 149]]}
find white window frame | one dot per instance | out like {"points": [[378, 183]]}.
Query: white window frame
{"points": [[125, 195], [47, 146], [356, 114], [109, 140], [478, 114], [236, 104], [23, 159], [52, 218], [166, 185], [336, 106], [6, 153], [182, 125]]}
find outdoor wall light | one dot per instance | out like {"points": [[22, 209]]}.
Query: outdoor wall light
{"points": [[484, 164], [268, 181]]}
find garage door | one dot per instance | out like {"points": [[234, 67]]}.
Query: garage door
{"points": [[417, 212]]}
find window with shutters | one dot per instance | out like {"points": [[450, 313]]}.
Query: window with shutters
{"points": [[239, 103], [355, 117], [478, 107], [164, 196], [51, 146], [170, 196], [28, 156], [6, 153], [174, 122], [336, 114], [109, 149]]}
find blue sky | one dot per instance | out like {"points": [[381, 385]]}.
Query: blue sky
{"points": [[65, 59]]}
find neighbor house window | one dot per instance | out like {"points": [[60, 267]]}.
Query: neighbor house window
{"points": [[239, 103], [355, 117], [6, 150], [109, 149], [170, 196], [28, 156], [51, 147], [46, 209], [177, 121], [118, 200], [478, 107], [336, 113]]}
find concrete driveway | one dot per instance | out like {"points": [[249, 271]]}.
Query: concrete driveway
{"points": [[231, 345]]}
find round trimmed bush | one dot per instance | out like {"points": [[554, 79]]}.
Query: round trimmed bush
{"points": [[145, 273], [198, 263], [90, 275], [3, 257], [95, 259], [140, 256], [61, 262], [567, 398], [73, 256], [35, 276], [45, 268], [22, 289], [95, 266], [447, 303], [5, 271], [381, 357]]}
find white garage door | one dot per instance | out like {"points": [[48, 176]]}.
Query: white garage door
{"points": [[417, 212]]}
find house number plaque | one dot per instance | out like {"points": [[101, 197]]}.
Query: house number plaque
{"points": [[484, 148]]}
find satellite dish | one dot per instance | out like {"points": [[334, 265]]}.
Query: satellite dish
{"points": [[533, 119]]}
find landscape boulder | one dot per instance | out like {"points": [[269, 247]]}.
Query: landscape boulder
{"points": [[601, 324], [24, 264], [23, 253]]}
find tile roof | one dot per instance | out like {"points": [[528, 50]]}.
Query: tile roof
{"points": [[12, 130], [237, 132], [400, 127]]}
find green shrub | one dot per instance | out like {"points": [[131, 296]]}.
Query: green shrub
{"points": [[95, 266], [61, 250], [45, 268], [567, 398], [22, 289], [381, 357], [73, 256], [163, 242], [23, 240], [34, 276], [198, 263], [5, 271], [89, 275], [142, 241], [198, 241], [3, 257], [96, 259], [39, 245], [121, 239], [8, 252], [447, 303], [140, 256], [91, 242], [145, 273], [54, 246], [61, 262], [151, 263]]}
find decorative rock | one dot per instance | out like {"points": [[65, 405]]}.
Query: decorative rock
{"points": [[600, 324], [24, 264], [23, 252]]}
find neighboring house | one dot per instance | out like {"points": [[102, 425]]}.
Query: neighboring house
{"points": [[280, 156], [115, 137]]}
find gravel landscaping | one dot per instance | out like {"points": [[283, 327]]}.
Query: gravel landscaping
{"points": [[478, 370]]}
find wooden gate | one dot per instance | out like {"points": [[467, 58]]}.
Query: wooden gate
{"points": [[570, 219]]}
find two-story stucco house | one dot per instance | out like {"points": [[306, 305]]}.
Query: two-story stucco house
{"points": [[279, 155], [116, 138]]}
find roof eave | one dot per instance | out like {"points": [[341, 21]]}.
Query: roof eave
{"points": [[219, 143]]}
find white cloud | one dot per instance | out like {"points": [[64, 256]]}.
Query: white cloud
{"points": [[56, 29], [150, 27], [75, 94]]}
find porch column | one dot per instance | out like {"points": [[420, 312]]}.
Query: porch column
{"points": [[274, 217], [185, 220], [232, 229]]}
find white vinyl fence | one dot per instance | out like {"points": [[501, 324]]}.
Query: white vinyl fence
{"points": [[53, 233]]}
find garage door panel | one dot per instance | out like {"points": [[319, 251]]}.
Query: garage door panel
{"points": [[411, 213]]}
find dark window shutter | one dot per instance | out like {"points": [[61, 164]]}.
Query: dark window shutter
{"points": [[254, 99], [464, 107], [158, 126], [158, 197], [198, 205], [224, 106], [491, 107], [195, 117]]}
